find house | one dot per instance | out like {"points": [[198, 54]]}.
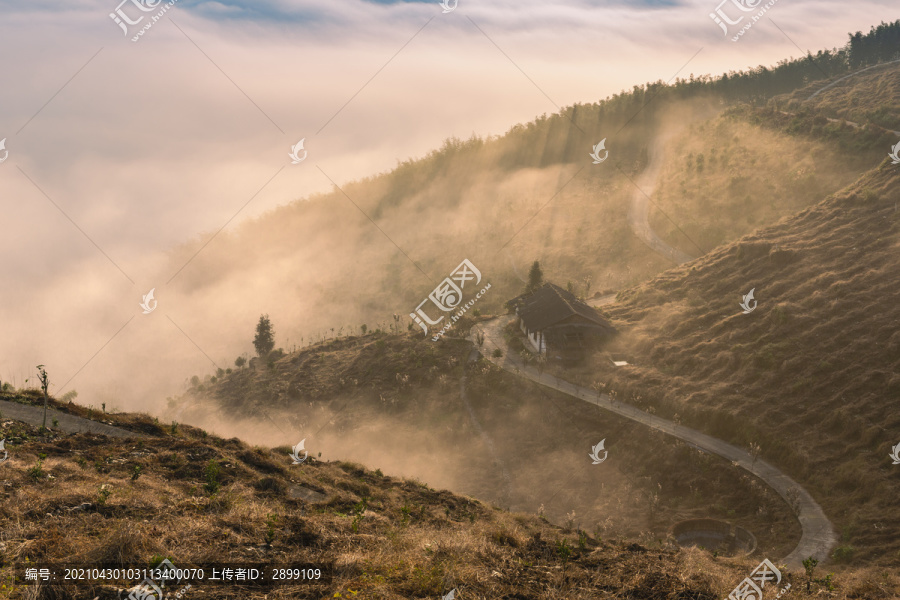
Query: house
{"points": [[559, 325]]}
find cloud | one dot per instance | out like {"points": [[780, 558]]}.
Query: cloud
{"points": [[119, 151]]}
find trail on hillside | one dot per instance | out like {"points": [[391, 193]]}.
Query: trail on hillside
{"points": [[34, 415], [852, 124], [818, 537], [837, 81], [639, 209]]}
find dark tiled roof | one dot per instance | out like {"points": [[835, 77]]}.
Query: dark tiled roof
{"points": [[551, 304]]}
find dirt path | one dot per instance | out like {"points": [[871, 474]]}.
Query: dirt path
{"points": [[639, 209], [843, 121], [34, 415], [837, 81], [818, 537]]}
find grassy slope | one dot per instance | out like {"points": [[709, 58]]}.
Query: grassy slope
{"points": [[870, 97], [468, 201], [811, 374], [396, 400], [750, 176], [387, 537], [818, 360]]}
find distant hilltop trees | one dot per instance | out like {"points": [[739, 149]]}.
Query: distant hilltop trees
{"points": [[881, 44], [546, 140]]}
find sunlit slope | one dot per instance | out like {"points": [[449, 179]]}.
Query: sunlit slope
{"points": [[200, 500], [377, 247], [812, 374], [418, 409], [866, 95]]}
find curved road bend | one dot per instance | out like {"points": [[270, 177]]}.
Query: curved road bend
{"points": [[639, 209], [818, 537], [34, 415]]}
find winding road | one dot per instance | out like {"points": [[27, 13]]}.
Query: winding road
{"points": [[34, 415], [639, 209], [818, 537]]}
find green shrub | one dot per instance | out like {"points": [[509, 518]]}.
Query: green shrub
{"points": [[843, 553], [103, 494], [582, 540], [212, 474], [358, 510], [271, 520], [563, 550], [37, 472]]}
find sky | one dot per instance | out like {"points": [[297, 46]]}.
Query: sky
{"points": [[120, 150]]}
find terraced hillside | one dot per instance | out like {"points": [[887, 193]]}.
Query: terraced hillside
{"points": [[812, 374]]}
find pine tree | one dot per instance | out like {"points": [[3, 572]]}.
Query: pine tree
{"points": [[535, 278], [265, 336]]}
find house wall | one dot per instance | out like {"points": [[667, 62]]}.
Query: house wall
{"points": [[535, 338]]}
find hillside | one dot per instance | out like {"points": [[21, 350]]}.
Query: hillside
{"points": [[426, 411], [530, 194], [433, 466], [199, 499], [817, 360]]}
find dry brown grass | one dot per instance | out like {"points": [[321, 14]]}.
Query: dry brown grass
{"points": [[870, 97], [811, 375], [410, 542]]}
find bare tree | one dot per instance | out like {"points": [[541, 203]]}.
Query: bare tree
{"points": [[45, 383]]}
